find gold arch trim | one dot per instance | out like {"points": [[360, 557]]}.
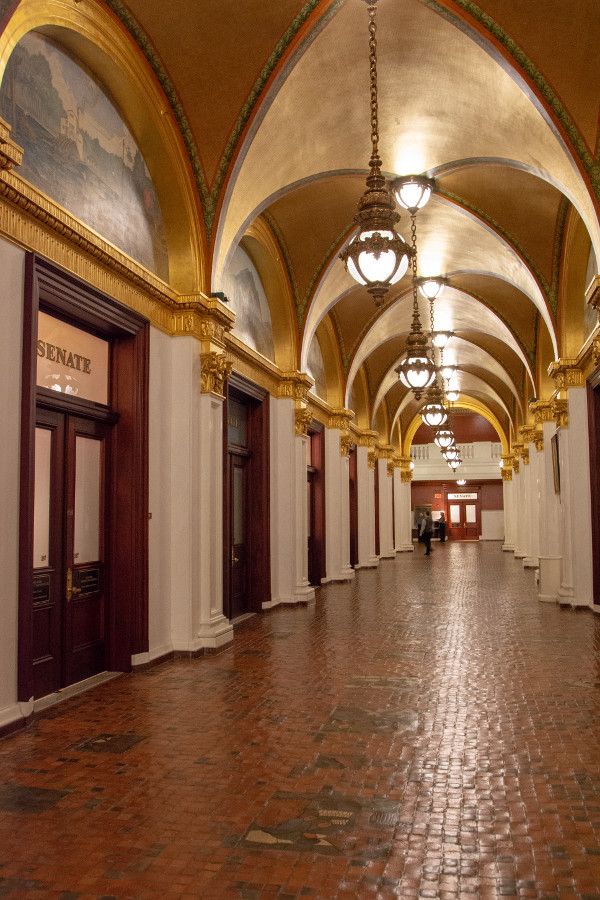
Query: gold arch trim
{"points": [[463, 402]]}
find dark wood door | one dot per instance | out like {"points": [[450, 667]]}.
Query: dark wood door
{"points": [[238, 537], [315, 498], [376, 482], [463, 520], [69, 598]]}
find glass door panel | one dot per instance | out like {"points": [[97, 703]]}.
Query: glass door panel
{"points": [[470, 514], [88, 484], [41, 503], [455, 517]]}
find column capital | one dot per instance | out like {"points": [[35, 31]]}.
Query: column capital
{"points": [[560, 410], [340, 418], [302, 419], [215, 368], [346, 444], [406, 476], [366, 438], [506, 474], [541, 411], [385, 451], [565, 373], [515, 461], [295, 386], [526, 434]]}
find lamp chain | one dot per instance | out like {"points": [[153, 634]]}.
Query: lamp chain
{"points": [[375, 160], [413, 239]]}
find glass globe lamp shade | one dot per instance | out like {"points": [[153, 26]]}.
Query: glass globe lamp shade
{"points": [[376, 258], [413, 192], [444, 438], [434, 415], [451, 453], [452, 396], [461, 481], [416, 372], [447, 372], [431, 288], [441, 338], [455, 464]]}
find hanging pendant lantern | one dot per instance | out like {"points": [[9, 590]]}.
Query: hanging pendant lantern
{"points": [[412, 192], [451, 453], [444, 438], [434, 412], [377, 256], [455, 464]]}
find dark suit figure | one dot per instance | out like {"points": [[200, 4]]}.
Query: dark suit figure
{"points": [[442, 527]]}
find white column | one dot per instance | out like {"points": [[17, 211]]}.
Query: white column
{"points": [[520, 513], [532, 537], [549, 522], [337, 510], [289, 510], [386, 534], [366, 511], [575, 497], [402, 513], [509, 513]]}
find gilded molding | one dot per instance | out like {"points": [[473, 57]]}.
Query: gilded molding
{"points": [[340, 418], [10, 152], [295, 385], [596, 350], [506, 474], [538, 440], [385, 451], [526, 434], [372, 457], [560, 409], [566, 374], [516, 463], [541, 411], [302, 420], [367, 438], [214, 371], [406, 476], [592, 294]]}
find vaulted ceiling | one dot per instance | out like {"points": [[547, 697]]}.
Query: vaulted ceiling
{"points": [[497, 101]]}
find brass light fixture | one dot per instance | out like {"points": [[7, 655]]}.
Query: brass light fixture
{"points": [[377, 256], [444, 438], [413, 191], [451, 453], [455, 464], [434, 412], [417, 369]]}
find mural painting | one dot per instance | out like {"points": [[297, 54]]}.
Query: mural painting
{"points": [[79, 151], [247, 299]]}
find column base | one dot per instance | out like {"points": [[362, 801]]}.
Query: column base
{"points": [[346, 574], [531, 562], [387, 554], [215, 634], [520, 554], [405, 548], [302, 594], [508, 548]]}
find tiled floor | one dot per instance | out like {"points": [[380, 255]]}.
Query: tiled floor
{"points": [[430, 730]]}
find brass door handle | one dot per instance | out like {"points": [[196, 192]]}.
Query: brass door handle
{"points": [[234, 558], [70, 590]]}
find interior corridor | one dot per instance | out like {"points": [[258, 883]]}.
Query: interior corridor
{"points": [[429, 730]]}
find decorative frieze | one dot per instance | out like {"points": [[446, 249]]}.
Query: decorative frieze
{"points": [[340, 419], [541, 411], [560, 411], [215, 368], [565, 374], [295, 385]]}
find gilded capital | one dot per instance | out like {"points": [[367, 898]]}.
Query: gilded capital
{"points": [[214, 370], [302, 418], [541, 411], [596, 351], [346, 444], [516, 463], [367, 438], [385, 451], [560, 409], [295, 385], [526, 434], [406, 476], [566, 374], [506, 474], [340, 419], [538, 440]]}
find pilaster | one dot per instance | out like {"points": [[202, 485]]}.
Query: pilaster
{"points": [[337, 499], [509, 512], [365, 442], [402, 504], [385, 454]]}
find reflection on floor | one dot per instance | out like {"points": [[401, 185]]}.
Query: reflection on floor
{"points": [[429, 730]]}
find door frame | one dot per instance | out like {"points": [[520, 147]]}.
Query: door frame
{"points": [[57, 292], [258, 527]]}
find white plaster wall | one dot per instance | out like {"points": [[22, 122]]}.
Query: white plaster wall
{"points": [[12, 264], [366, 511], [386, 527], [492, 525], [160, 535], [337, 513]]}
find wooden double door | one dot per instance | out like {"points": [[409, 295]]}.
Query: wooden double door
{"points": [[463, 520], [69, 549]]}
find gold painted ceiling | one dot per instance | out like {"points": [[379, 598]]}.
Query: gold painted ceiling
{"points": [[498, 101]]}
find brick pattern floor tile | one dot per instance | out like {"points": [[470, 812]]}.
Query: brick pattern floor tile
{"points": [[427, 731]]}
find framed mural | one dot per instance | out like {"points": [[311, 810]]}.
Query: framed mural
{"points": [[247, 299], [79, 150]]}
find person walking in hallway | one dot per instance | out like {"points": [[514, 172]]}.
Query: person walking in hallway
{"points": [[426, 531], [442, 527]]}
